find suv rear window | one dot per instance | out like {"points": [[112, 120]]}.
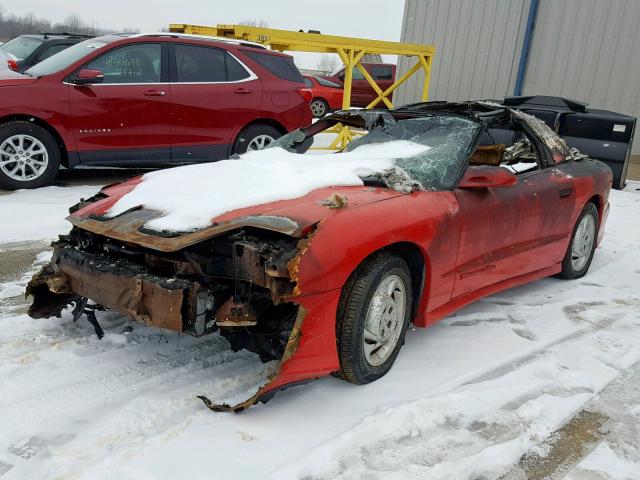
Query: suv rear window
{"points": [[382, 72], [282, 67], [205, 64], [21, 47]]}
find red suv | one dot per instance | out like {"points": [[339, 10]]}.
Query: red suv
{"points": [[145, 100]]}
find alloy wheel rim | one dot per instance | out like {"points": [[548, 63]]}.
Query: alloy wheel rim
{"points": [[23, 157], [384, 320], [583, 242], [317, 108], [259, 142]]}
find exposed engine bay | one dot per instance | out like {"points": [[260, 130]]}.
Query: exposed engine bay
{"points": [[237, 284]]}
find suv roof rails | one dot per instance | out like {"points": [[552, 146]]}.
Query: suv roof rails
{"points": [[66, 34], [244, 43]]}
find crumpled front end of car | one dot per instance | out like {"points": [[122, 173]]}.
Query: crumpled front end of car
{"points": [[241, 284]]}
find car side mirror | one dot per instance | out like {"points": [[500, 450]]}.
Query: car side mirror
{"points": [[88, 76], [478, 176]]}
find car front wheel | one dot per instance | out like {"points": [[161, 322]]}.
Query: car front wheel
{"points": [[582, 246], [29, 156], [373, 316]]}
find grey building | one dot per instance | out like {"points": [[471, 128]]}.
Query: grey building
{"points": [[586, 50]]}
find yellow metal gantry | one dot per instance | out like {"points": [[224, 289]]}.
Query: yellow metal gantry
{"points": [[349, 49]]}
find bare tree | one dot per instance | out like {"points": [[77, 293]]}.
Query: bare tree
{"points": [[13, 25], [328, 63], [250, 22], [74, 23]]}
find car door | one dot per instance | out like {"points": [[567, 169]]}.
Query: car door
{"points": [[513, 230], [125, 118], [213, 94]]}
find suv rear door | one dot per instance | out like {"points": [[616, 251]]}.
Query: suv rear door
{"points": [[126, 116], [212, 95]]}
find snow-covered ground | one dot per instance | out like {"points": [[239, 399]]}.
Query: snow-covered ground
{"points": [[465, 399]]}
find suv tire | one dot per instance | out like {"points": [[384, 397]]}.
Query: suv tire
{"points": [[29, 155], [255, 137]]}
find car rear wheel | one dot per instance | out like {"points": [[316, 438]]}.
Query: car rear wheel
{"points": [[29, 156], [319, 107], [582, 246], [373, 316], [255, 137]]}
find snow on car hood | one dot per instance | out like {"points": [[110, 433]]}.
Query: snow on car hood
{"points": [[190, 197]]}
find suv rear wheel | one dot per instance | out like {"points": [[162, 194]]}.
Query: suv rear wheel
{"points": [[255, 137], [29, 156]]}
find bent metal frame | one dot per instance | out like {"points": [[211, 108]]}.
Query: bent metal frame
{"points": [[349, 49]]}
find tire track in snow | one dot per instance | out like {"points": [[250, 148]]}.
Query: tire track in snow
{"points": [[123, 382], [482, 427]]}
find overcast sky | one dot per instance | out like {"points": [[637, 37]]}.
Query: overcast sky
{"points": [[376, 19]]}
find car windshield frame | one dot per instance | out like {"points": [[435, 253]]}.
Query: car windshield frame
{"points": [[36, 42], [439, 168], [64, 59]]}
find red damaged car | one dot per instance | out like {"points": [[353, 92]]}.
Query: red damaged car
{"points": [[322, 270], [145, 100]]}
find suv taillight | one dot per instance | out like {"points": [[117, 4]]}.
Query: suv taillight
{"points": [[13, 65], [305, 93]]}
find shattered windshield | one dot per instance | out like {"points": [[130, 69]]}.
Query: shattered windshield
{"points": [[450, 138]]}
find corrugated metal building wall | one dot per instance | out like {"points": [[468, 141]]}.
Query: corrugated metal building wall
{"points": [[587, 50]]}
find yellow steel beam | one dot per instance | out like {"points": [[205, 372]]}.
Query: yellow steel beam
{"points": [[397, 83], [349, 49], [381, 95], [301, 41]]}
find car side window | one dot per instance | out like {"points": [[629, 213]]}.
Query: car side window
{"points": [[52, 50], [382, 72], [135, 63], [195, 63], [357, 74], [308, 82]]}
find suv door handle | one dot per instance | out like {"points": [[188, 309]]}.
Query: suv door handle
{"points": [[242, 91], [154, 93]]}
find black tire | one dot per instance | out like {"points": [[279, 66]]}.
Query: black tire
{"points": [[350, 322], [252, 132], [8, 130], [319, 107], [569, 271]]}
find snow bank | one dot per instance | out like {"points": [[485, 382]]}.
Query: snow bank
{"points": [[192, 196], [39, 214], [604, 463]]}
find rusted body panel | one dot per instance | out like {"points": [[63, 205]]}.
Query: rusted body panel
{"points": [[141, 297]]}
